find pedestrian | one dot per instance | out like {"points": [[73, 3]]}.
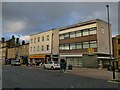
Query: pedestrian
{"points": [[64, 65]]}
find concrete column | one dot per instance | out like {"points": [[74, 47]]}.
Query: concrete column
{"points": [[100, 64]]}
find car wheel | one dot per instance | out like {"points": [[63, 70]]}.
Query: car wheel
{"points": [[44, 67], [52, 67]]}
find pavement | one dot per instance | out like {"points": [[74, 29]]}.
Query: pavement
{"points": [[94, 73]]}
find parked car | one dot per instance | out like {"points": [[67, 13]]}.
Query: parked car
{"points": [[15, 63], [52, 65]]}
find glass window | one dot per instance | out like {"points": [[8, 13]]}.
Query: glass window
{"points": [[34, 40], [61, 47], [78, 45], [38, 39], [31, 49], [34, 49], [93, 44], [31, 40], [118, 40], [85, 32], [43, 38], [66, 47], [92, 30], [78, 33], [67, 35], [85, 44], [72, 34], [61, 36], [37, 48], [47, 37], [72, 46], [119, 51], [42, 48], [47, 47]]}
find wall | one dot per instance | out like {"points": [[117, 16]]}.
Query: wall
{"points": [[103, 37], [55, 43], [44, 43], [90, 61]]}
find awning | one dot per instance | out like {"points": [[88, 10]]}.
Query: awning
{"points": [[37, 56], [79, 55], [105, 58]]}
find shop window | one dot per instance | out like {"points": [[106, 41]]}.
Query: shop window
{"points": [[72, 46], [72, 34], [93, 44], [78, 33], [85, 44], [78, 45]]}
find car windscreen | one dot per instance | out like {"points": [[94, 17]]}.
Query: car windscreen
{"points": [[55, 62]]}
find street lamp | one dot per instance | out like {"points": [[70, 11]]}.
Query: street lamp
{"points": [[110, 43]]}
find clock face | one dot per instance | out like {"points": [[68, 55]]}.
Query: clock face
{"points": [[102, 30]]}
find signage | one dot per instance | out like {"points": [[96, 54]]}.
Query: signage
{"points": [[90, 50], [37, 56]]}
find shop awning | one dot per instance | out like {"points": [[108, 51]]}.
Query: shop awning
{"points": [[37, 56]]}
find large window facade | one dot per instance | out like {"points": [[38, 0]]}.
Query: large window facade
{"points": [[79, 33], [78, 45]]}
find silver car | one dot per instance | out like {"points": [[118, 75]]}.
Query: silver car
{"points": [[15, 63]]}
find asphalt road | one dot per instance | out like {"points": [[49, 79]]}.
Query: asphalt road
{"points": [[26, 77]]}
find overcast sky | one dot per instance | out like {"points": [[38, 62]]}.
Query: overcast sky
{"points": [[25, 18]]}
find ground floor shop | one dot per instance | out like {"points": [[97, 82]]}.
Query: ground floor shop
{"points": [[42, 58], [74, 60], [96, 60]]}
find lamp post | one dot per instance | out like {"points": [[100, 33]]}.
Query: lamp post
{"points": [[113, 68]]}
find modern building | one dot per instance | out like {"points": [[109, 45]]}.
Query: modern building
{"points": [[116, 48], [43, 46], [85, 38]]}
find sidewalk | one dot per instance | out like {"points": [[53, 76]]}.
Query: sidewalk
{"points": [[94, 73]]}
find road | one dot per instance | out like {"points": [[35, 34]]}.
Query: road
{"points": [[29, 77]]}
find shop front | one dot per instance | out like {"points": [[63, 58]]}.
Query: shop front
{"points": [[36, 58], [74, 60]]}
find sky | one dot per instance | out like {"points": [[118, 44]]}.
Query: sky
{"points": [[25, 18]]}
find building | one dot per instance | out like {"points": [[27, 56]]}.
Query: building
{"points": [[85, 38], [44, 46], [24, 53], [12, 53], [3, 50], [116, 48]]}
